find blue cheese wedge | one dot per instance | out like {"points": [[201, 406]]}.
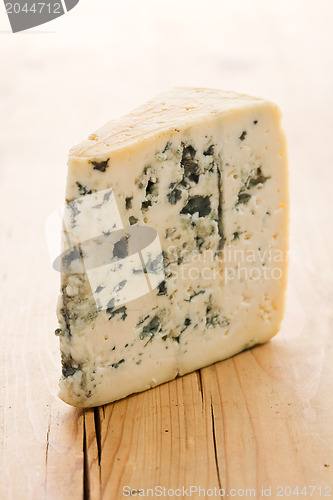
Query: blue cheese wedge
{"points": [[174, 242]]}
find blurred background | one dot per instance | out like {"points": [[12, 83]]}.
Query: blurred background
{"points": [[60, 81]]}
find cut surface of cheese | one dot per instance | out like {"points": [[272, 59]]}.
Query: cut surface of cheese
{"points": [[174, 243]]}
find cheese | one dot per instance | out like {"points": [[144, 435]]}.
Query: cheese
{"points": [[175, 242]]}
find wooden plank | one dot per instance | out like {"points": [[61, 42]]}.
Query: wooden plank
{"points": [[161, 437], [41, 442], [91, 453]]}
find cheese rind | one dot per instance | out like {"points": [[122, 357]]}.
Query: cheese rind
{"points": [[207, 171]]}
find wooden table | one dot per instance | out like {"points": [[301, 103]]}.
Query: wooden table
{"points": [[260, 419]]}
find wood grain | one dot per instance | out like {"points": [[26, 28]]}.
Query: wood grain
{"points": [[260, 419]]}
